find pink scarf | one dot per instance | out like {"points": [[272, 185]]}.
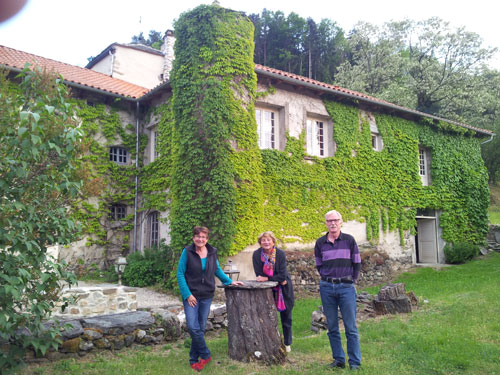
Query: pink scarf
{"points": [[267, 268]]}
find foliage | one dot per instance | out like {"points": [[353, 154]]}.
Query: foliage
{"points": [[377, 187], [454, 319], [38, 181], [113, 183], [297, 45], [460, 252], [216, 178], [154, 40], [148, 268]]}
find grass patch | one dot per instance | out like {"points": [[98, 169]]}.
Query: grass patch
{"points": [[456, 332]]}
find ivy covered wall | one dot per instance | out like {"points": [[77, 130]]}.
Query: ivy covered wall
{"points": [[210, 171], [382, 188], [216, 163]]}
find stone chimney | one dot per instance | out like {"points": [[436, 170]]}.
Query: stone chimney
{"points": [[168, 49]]}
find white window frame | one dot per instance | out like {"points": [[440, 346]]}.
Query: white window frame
{"points": [[316, 138], [423, 165], [267, 128], [119, 155], [377, 143]]}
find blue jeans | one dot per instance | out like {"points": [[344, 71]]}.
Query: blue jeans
{"points": [[343, 296], [196, 321]]}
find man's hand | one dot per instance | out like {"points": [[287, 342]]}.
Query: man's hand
{"points": [[236, 283], [192, 300]]}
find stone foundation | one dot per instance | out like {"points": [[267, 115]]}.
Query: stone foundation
{"points": [[92, 301]]}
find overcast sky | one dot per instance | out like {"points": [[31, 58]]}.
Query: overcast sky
{"points": [[73, 30]]}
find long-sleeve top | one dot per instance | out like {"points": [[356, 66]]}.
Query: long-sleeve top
{"points": [[339, 259], [181, 271], [280, 274]]}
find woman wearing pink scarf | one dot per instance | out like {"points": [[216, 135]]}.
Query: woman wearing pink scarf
{"points": [[269, 264]]}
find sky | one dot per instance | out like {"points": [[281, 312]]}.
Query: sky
{"points": [[73, 30]]}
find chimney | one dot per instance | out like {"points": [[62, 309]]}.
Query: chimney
{"points": [[168, 49]]}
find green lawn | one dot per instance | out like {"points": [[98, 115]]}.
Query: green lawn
{"points": [[456, 331]]}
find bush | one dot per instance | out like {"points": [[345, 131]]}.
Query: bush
{"points": [[148, 268], [460, 253]]}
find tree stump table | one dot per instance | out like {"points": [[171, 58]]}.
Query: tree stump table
{"points": [[252, 330]]}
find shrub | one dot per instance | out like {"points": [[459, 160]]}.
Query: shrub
{"points": [[460, 253], [148, 268]]}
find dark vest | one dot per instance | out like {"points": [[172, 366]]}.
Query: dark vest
{"points": [[201, 283]]}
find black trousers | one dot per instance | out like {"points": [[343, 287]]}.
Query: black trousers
{"points": [[286, 324]]}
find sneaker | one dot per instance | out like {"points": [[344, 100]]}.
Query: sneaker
{"points": [[354, 367], [196, 366], [288, 348], [204, 362], [336, 364]]}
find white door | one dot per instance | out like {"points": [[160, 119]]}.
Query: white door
{"points": [[427, 241]]}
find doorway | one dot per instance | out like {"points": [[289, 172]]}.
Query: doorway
{"points": [[426, 240]]}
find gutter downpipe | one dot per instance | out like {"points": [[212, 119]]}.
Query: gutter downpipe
{"points": [[134, 248], [488, 140]]}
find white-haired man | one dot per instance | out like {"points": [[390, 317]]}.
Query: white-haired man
{"points": [[338, 263]]}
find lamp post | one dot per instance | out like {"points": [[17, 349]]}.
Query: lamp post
{"points": [[120, 265]]}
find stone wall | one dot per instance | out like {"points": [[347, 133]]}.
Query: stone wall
{"points": [[376, 268], [116, 331], [92, 301]]}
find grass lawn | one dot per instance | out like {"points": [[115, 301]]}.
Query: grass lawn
{"points": [[455, 331]]}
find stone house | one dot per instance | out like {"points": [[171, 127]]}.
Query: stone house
{"points": [[349, 150]]}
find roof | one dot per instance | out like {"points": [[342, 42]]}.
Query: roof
{"points": [[89, 79], [139, 47], [73, 75], [342, 92]]}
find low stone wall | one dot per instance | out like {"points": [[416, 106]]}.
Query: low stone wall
{"points": [[376, 268], [92, 301], [113, 332]]}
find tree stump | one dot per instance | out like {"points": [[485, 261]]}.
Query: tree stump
{"points": [[392, 299], [252, 330]]}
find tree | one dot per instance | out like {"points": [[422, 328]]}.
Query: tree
{"points": [[154, 40], [38, 180]]}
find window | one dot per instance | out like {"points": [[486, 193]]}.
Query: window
{"points": [[118, 155], [423, 166], [118, 212], [377, 143], [154, 229], [267, 122], [315, 138], [155, 145]]}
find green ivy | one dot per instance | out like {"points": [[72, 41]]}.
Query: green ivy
{"points": [[105, 179], [377, 187], [216, 163]]}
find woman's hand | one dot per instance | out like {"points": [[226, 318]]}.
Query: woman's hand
{"points": [[284, 283], [192, 300], [236, 283], [262, 278]]}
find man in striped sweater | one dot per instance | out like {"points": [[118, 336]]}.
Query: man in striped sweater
{"points": [[338, 263]]}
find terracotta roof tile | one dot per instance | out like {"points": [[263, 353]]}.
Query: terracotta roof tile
{"points": [[85, 77], [72, 74]]}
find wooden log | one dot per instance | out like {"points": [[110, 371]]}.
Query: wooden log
{"points": [[392, 299], [252, 330]]}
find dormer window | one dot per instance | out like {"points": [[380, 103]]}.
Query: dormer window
{"points": [[118, 154]]}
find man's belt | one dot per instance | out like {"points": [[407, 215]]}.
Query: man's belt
{"points": [[333, 280]]}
